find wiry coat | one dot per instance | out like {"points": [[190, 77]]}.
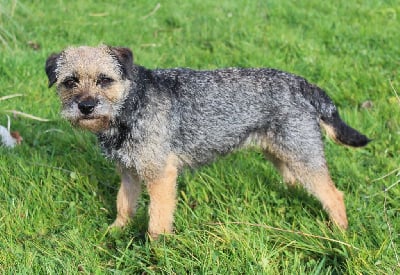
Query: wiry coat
{"points": [[198, 115]]}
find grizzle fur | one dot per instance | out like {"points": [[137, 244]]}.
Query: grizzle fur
{"points": [[198, 115]]}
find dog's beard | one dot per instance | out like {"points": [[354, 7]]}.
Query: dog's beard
{"points": [[95, 125], [96, 122]]}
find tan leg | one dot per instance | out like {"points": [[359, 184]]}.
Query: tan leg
{"points": [[320, 184], [323, 188], [162, 192], [283, 169], [299, 155], [127, 197]]}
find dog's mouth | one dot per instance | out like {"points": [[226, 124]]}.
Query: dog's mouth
{"points": [[94, 124], [89, 117]]}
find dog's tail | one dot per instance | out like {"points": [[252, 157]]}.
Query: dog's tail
{"points": [[330, 120], [342, 133]]}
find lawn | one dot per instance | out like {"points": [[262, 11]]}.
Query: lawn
{"points": [[234, 216]]}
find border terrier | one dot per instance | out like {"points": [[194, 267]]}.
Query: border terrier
{"points": [[152, 123]]}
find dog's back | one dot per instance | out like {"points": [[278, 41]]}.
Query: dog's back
{"points": [[218, 111]]}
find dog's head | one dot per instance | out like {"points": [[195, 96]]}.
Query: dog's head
{"points": [[92, 83]]}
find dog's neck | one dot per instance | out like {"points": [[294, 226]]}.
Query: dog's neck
{"points": [[123, 125]]}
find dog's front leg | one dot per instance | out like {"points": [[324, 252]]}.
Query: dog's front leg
{"points": [[162, 192], [127, 197]]}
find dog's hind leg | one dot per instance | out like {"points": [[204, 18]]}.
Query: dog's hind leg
{"points": [[282, 167], [318, 182], [323, 188], [298, 154]]}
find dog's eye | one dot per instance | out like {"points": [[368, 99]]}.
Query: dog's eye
{"points": [[70, 82], [104, 81]]}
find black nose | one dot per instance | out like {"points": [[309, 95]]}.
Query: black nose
{"points": [[87, 106]]}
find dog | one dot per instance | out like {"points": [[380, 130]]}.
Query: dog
{"points": [[153, 123]]}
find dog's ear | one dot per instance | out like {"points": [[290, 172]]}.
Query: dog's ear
{"points": [[124, 57], [51, 66]]}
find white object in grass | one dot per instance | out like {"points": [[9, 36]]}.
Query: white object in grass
{"points": [[6, 138]]}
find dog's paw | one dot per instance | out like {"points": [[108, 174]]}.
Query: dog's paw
{"points": [[155, 235], [152, 236], [118, 223]]}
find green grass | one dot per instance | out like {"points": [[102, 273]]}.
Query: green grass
{"points": [[57, 193]]}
